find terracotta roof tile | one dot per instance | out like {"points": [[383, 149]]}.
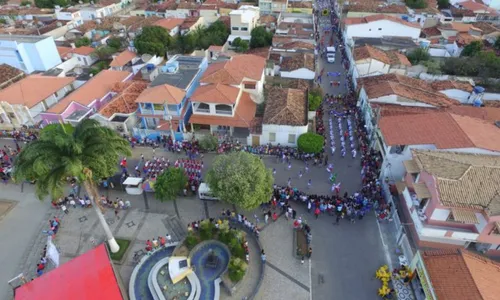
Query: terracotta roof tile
{"points": [[285, 107], [380, 7], [459, 274], [373, 18], [123, 58], [297, 45], [161, 94], [124, 101], [406, 87], [431, 31], [64, 52], [441, 85], [266, 19], [169, 23], [487, 28], [397, 58], [367, 51], [134, 23], [33, 89], [216, 93], [243, 116], [262, 52], [465, 38], [301, 60], [235, 70], [95, 88], [8, 73], [85, 50], [444, 130]]}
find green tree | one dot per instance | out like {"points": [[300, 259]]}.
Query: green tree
{"points": [[83, 152], [25, 3], [170, 184], [185, 43], [260, 37], [314, 101], [104, 52], [472, 49], [310, 142], [416, 4], [240, 178], [154, 40], [115, 42], [209, 143], [433, 67], [443, 4], [84, 41], [240, 45], [418, 55], [50, 3]]}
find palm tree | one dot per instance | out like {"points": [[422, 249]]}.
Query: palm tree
{"points": [[87, 152]]}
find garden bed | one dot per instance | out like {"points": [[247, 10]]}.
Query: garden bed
{"points": [[119, 256]]}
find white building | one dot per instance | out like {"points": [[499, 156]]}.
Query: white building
{"points": [[371, 61], [285, 117], [378, 26], [29, 53], [432, 131], [69, 14], [294, 66], [243, 21]]}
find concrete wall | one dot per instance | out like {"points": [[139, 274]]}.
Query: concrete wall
{"points": [[381, 28], [371, 67], [281, 133], [301, 73]]}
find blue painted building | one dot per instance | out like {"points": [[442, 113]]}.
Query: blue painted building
{"points": [[29, 53], [164, 107]]}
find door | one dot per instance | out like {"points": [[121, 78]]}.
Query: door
{"points": [[255, 140]]}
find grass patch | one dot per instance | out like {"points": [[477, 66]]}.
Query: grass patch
{"points": [[124, 244]]}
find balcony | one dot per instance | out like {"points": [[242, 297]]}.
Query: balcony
{"points": [[224, 112], [202, 110]]}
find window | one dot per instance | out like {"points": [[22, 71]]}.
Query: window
{"points": [[291, 138], [244, 29], [370, 29], [272, 137], [12, 115], [79, 58], [450, 218], [250, 86], [172, 107], [380, 29], [55, 94], [158, 107], [423, 203], [203, 107], [19, 56], [235, 28]]}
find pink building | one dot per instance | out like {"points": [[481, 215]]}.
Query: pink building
{"points": [[453, 200]]}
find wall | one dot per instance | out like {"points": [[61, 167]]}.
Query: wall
{"points": [[8, 55], [371, 67], [89, 59], [360, 14], [282, 133], [388, 28], [50, 118], [393, 167], [72, 107], [209, 16], [47, 53], [301, 73]]}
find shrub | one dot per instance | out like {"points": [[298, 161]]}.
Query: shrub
{"points": [[236, 248], [209, 143], [191, 241], [236, 269], [124, 244], [314, 101], [310, 143], [206, 230]]}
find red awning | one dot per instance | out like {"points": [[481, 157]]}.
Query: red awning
{"points": [[89, 276]]}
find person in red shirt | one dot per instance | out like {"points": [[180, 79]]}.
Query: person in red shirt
{"points": [[316, 212], [162, 241]]}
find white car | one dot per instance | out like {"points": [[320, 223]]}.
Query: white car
{"points": [[330, 57]]}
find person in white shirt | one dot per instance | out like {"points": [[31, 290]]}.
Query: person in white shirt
{"points": [[127, 204], [82, 202], [168, 238], [121, 204], [72, 203], [64, 209], [88, 203]]}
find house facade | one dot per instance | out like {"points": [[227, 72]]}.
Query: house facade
{"points": [[23, 101], [268, 7], [285, 117], [446, 202], [87, 99], [243, 21], [377, 26], [29, 53], [164, 106], [370, 61], [227, 98]]}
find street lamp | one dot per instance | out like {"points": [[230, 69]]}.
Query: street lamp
{"points": [[168, 118]]}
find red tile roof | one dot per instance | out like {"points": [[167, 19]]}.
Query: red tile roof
{"points": [[169, 23], [444, 130], [216, 93], [235, 70], [460, 274], [95, 88], [85, 50], [161, 94], [243, 116], [124, 101], [123, 58]]}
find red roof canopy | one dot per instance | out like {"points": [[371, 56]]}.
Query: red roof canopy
{"points": [[89, 276]]}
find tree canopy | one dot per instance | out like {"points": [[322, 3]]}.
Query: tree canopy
{"points": [[314, 99], [240, 45], [260, 37], [416, 4], [240, 178], [418, 55], [443, 4], [50, 3], [496, 45], [153, 40], [202, 37], [484, 64], [104, 52], [209, 143], [170, 183], [115, 42], [310, 142], [84, 41], [472, 49], [88, 152]]}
